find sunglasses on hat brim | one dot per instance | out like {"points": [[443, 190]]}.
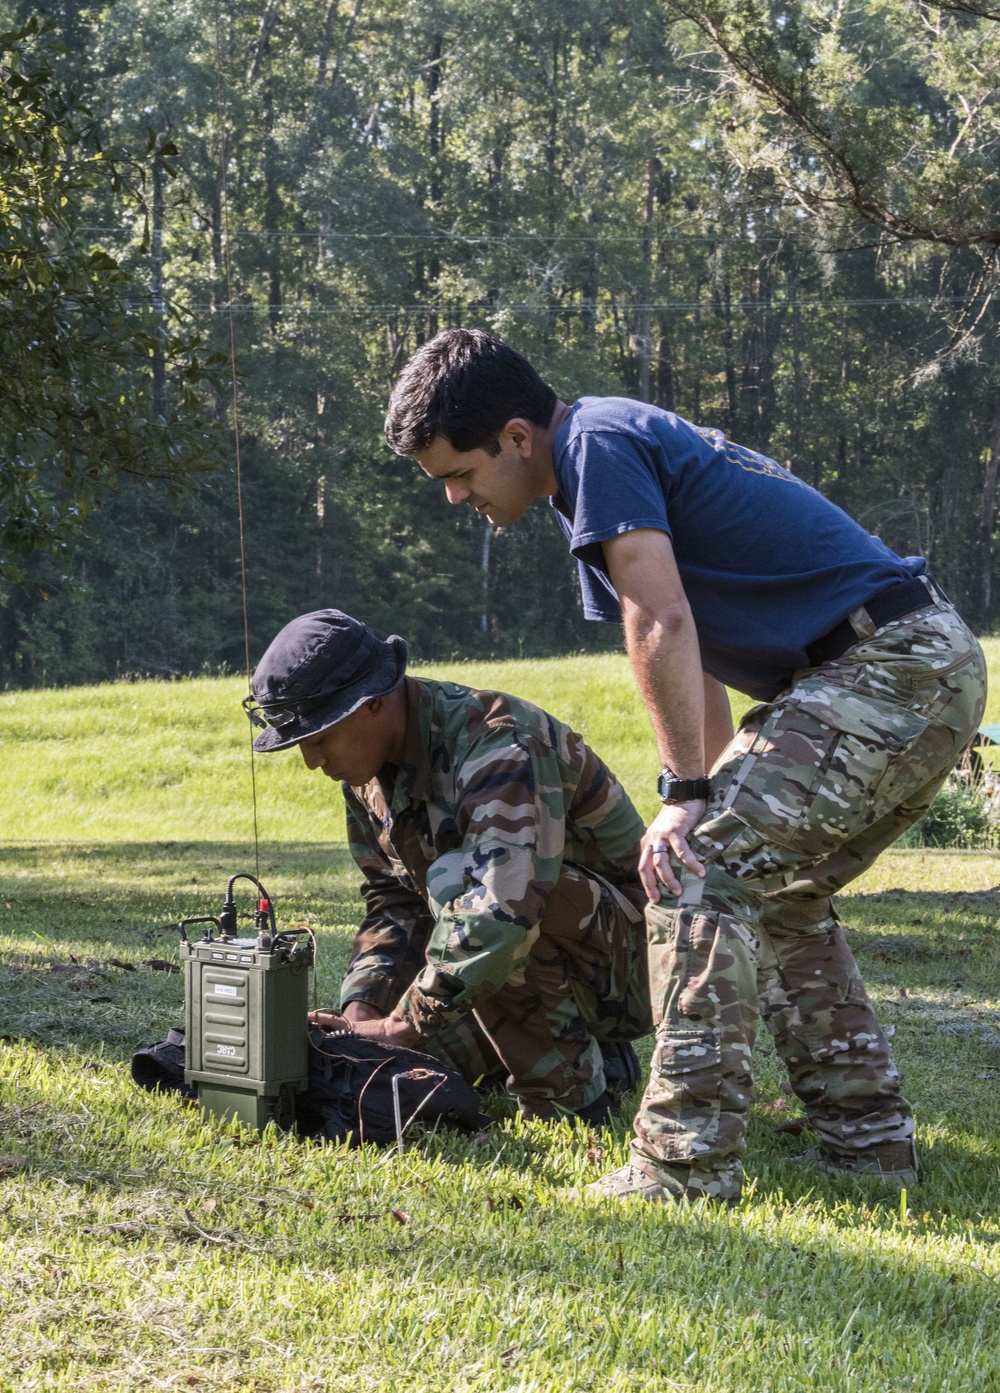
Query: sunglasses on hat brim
{"points": [[280, 714]]}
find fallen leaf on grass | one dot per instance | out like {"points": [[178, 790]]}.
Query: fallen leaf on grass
{"points": [[400, 1217], [124, 967], [775, 1105], [208, 1205], [11, 1164]]}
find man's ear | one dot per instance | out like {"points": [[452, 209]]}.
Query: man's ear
{"points": [[521, 434]]}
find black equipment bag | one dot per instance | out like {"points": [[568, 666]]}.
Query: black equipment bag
{"points": [[350, 1092], [160, 1068]]}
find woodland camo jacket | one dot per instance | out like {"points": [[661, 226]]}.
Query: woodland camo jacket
{"points": [[462, 848]]}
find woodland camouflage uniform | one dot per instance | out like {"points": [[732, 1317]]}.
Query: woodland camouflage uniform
{"points": [[814, 786], [491, 925]]}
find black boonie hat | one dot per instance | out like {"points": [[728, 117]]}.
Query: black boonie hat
{"points": [[318, 670]]}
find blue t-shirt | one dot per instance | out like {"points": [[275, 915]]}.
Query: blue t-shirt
{"points": [[768, 564]]}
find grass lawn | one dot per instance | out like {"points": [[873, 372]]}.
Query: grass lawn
{"points": [[142, 1247]]}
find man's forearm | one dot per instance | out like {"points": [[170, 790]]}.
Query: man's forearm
{"points": [[666, 659], [362, 1011], [718, 721], [662, 644]]}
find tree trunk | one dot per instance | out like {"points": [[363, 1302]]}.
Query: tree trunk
{"points": [[987, 518], [325, 43], [644, 336], [156, 281], [320, 523], [724, 310], [797, 401], [345, 42], [433, 73], [272, 205], [484, 618]]}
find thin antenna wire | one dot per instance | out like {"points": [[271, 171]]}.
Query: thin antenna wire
{"points": [[224, 158]]}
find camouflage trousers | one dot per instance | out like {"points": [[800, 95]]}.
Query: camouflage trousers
{"points": [[812, 788], [585, 981]]}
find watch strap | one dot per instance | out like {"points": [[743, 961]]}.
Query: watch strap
{"points": [[672, 790]]}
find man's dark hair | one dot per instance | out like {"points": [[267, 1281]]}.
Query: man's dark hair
{"points": [[464, 384]]}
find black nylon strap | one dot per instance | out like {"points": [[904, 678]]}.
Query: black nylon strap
{"points": [[888, 604]]}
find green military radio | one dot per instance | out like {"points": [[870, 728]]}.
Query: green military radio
{"points": [[246, 1002]]}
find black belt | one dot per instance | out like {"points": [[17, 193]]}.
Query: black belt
{"points": [[893, 602]]}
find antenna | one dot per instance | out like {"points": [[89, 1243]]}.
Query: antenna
{"points": [[227, 264]]}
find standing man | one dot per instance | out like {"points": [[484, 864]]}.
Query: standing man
{"points": [[725, 568]]}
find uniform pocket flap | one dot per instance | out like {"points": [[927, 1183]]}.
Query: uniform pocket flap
{"points": [[868, 718], [689, 1050]]}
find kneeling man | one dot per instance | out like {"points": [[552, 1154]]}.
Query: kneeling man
{"points": [[500, 858]]}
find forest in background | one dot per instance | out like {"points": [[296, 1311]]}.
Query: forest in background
{"points": [[780, 220]]}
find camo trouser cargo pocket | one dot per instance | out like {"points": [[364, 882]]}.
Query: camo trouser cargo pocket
{"points": [[820, 770], [703, 986]]}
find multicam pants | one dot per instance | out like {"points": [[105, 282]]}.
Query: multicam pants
{"points": [[585, 981], [813, 787]]}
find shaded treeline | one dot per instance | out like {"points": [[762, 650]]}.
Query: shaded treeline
{"points": [[354, 175]]}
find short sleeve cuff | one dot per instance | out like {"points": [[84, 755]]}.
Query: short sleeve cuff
{"points": [[582, 540], [375, 992]]}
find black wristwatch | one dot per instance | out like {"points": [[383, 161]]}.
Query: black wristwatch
{"points": [[674, 790]]}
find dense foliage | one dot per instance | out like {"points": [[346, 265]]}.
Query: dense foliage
{"points": [[776, 219], [82, 343]]}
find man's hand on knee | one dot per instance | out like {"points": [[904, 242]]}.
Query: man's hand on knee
{"points": [[666, 834]]}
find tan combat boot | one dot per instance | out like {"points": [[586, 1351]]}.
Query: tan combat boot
{"points": [[894, 1163], [658, 1183]]}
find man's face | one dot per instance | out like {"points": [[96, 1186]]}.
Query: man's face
{"points": [[500, 487], [352, 751]]}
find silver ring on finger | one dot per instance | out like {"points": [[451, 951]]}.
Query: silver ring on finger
{"points": [[660, 848]]}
